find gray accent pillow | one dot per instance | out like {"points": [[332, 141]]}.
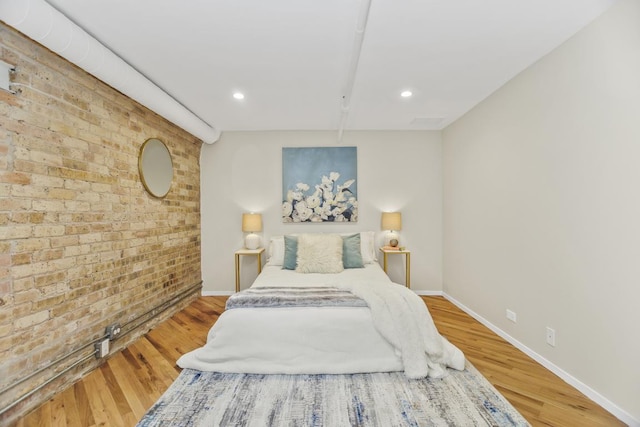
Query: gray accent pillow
{"points": [[290, 253], [351, 253]]}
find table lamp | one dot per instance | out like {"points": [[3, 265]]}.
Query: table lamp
{"points": [[392, 221], [251, 223]]}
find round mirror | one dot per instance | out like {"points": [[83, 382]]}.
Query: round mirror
{"points": [[156, 167]]}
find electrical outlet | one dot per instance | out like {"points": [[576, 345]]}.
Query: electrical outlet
{"points": [[113, 331], [511, 315], [551, 337], [102, 348]]}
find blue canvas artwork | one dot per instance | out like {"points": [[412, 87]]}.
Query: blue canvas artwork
{"points": [[319, 184]]}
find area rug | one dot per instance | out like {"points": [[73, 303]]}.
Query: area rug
{"points": [[463, 398]]}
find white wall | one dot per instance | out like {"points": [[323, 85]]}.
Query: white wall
{"points": [[242, 172], [542, 207]]}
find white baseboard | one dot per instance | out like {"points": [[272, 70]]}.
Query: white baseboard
{"points": [[618, 412], [428, 293], [217, 293]]}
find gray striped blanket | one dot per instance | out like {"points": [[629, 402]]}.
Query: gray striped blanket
{"points": [[264, 297]]}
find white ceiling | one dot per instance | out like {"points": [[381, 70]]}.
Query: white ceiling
{"points": [[291, 58]]}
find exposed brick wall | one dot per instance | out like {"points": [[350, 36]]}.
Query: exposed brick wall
{"points": [[82, 244]]}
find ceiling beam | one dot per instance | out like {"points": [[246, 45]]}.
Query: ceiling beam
{"points": [[47, 26], [361, 28]]}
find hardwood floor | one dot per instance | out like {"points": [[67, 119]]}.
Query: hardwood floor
{"points": [[121, 390], [542, 397]]}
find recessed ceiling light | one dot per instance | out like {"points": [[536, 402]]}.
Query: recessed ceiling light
{"points": [[238, 95], [406, 94]]}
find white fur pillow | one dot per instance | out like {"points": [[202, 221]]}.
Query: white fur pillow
{"points": [[319, 253]]}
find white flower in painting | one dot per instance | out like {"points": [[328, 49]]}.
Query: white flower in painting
{"points": [[325, 210], [313, 201], [293, 196], [319, 213], [301, 205], [348, 183], [287, 208], [337, 211], [329, 202], [328, 197], [305, 214]]}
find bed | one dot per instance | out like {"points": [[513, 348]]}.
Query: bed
{"points": [[325, 336]]}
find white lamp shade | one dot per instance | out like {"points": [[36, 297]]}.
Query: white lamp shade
{"points": [[392, 221], [251, 222]]}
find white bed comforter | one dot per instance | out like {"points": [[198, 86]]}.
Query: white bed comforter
{"points": [[394, 333]]}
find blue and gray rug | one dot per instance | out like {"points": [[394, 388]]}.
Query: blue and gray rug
{"points": [[463, 398]]}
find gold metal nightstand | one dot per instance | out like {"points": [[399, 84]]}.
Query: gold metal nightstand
{"points": [[407, 256], [255, 252]]}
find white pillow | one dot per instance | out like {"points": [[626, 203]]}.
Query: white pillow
{"points": [[276, 251], [368, 247], [319, 253]]}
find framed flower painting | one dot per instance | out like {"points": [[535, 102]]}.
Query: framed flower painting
{"points": [[319, 184]]}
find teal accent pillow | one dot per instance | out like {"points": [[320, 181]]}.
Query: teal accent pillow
{"points": [[351, 254], [290, 253]]}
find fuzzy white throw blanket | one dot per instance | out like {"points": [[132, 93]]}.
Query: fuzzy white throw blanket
{"points": [[402, 318]]}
